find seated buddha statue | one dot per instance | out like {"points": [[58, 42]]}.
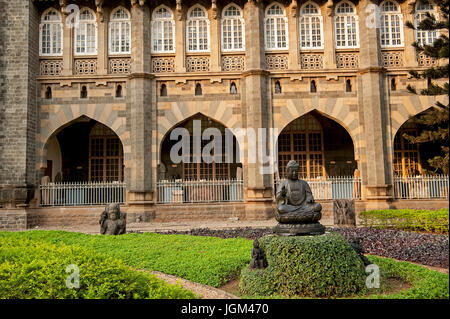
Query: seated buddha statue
{"points": [[295, 205]]}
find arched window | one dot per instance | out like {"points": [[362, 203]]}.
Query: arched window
{"points": [[348, 85], [163, 30], [50, 33], [233, 29], [277, 87], [86, 33], [197, 32], [233, 89], [276, 28], [346, 25], [198, 89], [105, 155], [424, 37], [83, 92], [119, 90], [48, 92], [393, 85], [302, 141], [163, 90], [406, 154], [313, 87], [120, 32], [311, 28], [391, 30]]}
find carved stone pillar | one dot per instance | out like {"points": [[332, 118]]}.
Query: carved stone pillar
{"points": [[294, 43], [375, 160], [410, 52], [329, 55], [102, 48], [67, 68], [180, 38], [140, 114], [214, 26]]}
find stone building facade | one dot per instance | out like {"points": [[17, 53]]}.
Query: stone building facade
{"points": [[142, 68]]}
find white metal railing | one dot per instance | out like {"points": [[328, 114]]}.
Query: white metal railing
{"points": [[82, 193], [421, 187], [200, 191], [336, 187]]}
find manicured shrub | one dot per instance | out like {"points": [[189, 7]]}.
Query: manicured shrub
{"points": [[316, 266], [426, 284], [426, 249], [407, 219], [32, 269]]}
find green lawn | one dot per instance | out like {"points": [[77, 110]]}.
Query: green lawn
{"points": [[207, 260]]}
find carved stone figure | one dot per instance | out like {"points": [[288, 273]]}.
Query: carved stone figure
{"points": [[344, 212], [357, 246], [296, 212], [258, 259], [112, 220]]}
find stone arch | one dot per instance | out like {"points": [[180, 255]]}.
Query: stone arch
{"points": [[339, 113], [219, 111], [64, 115]]}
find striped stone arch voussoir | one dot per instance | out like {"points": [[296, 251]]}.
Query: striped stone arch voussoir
{"points": [[338, 112], [65, 114], [410, 106], [216, 110]]}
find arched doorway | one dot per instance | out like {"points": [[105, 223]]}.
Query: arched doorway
{"points": [[193, 170], [321, 146], [406, 155]]}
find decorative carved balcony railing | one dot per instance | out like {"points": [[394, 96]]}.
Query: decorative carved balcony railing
{"points": [[85, 66], [311, 61], [163, 64], [277, 61], [392, 59], [424, 60], [119, 65], [233, 63], [197, 63], [50, 67], [347, 60]]}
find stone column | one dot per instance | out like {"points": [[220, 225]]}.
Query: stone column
{"points": [[215, 39], [102, 47], [68, 42], [180, 39], [329, 53], [258, 189], [375, 161], [410, 58], [294, 43], [140, 115]]}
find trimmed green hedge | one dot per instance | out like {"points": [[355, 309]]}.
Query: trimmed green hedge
{"points": [[315, 266], [407, 219], [206, 260], [32, 269], [426, 283]]}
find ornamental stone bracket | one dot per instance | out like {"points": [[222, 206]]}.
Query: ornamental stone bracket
{"points": [[330, 8], [294, 8], [99, 5]]}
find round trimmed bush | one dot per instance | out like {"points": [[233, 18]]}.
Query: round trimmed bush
{"points": [[314, 266]]}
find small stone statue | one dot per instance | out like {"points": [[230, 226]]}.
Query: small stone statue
{"points": [[357, 246], [258, 259], [112, 220], [296, 212], [344, 212]]}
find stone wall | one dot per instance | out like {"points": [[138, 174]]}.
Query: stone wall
{"points": [[18, 115]]}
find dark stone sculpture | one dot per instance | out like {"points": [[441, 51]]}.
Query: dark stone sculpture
{"points": [[344, 212], [258, 259], [357, 246], [296, 212], [112, 220]]}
